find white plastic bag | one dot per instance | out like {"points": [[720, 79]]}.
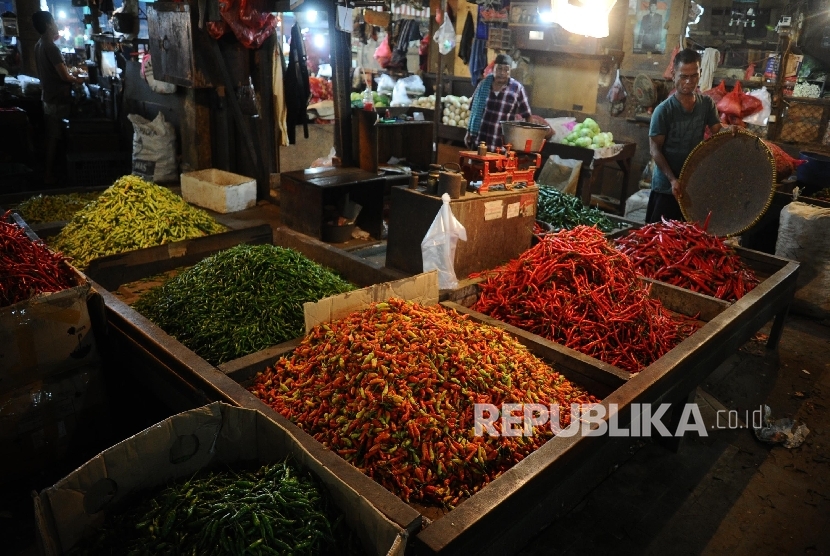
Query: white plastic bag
{"points": [[154, 149], [617, 96], [760, 118], [324, 160], [445, 37], [399, 96], [560, 131], [414, 85], [385, 84], [438, 246]]}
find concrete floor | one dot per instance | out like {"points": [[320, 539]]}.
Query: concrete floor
{"points": [[724, 493]]}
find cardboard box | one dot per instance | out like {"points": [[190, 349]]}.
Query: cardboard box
{"points": [[218, 190], [46, 335], [421, 288], [224, 435], [40, 421]]}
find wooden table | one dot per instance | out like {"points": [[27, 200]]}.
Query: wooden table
{"points": [[591, 173], [304, 193]]}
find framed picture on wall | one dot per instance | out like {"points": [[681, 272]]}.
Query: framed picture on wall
{"points": [[524, 13], [650, 31]]}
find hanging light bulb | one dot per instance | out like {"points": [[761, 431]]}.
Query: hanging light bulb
{"points": [[590, 18]]}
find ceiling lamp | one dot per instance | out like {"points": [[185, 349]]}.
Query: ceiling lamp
{"points": [[587, 17]]}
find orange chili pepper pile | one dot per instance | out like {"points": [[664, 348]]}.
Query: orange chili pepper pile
{"points": [[391, 389], [684, 255], [28, 267], [575, 289]]}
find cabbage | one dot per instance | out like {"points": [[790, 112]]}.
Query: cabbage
{"points": [[584, 142]]}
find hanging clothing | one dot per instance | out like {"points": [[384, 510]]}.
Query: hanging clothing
{"points": [[297, 87], [708, 65], [465, 47], [482, 30], [478, 60], [280, 112]]}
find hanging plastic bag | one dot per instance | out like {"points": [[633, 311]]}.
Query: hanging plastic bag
{"points": [[438, 245], [383, 53], [760, 117], [445, 37], [399, 96], [617, 92], [385, 84], [617, 96]]}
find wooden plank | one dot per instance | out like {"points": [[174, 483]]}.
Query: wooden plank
{"points": [[580, 95], [242, 370], [358, 271], [685, 302], [115, 270]]}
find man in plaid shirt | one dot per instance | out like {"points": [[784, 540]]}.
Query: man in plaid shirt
{"points": [[497, 98]]}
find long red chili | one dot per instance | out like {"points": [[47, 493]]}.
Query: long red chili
{"points": [[684, 255], [28, 268], [577, 290], [392, 389]]}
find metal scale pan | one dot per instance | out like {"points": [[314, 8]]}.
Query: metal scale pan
{"points": [[730, 176]]}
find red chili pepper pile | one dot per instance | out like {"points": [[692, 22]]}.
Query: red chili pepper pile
{"points": [[684, 255], [575, 289], [28, 268], [391, 389]]}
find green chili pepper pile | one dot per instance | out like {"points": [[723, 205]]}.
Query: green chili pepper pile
{"points": [[274, 510], [240, 301], [565, 212], [131, 214], [392, 390], [54, 208], [575, 289]]}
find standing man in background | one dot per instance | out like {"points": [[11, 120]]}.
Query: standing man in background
{"points": [[677, 126], [56, 82], [497, 98]]}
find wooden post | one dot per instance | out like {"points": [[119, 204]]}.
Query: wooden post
{"points": [[264, 85], [341, 58]]}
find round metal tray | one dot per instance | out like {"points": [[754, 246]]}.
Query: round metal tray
{"points": [[730, 177]]}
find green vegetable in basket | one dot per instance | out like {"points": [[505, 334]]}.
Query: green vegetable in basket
{"points": [[131, 214], [273, 510], [240, 301], [565, 212]]}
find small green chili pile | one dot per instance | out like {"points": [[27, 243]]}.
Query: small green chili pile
{"points": [[129, 215], [240, 301], [54, 208], [273, 510], [565, 212]]}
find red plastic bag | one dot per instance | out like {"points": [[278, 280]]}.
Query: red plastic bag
{"points": [[717, 93], [731, 103], [750, 105], [250, 25], [785, 165], [383, 54]]}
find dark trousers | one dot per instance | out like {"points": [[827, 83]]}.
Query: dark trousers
{"points": [[662, 205]]}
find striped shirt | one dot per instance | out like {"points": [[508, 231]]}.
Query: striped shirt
{"points": [[508, 103]]}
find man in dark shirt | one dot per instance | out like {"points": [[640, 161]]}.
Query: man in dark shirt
{"points": [[56, 82], [677, 126]]}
